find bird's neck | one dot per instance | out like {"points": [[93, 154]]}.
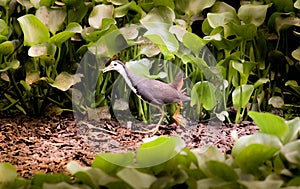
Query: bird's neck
{"points": [[127, 75]]}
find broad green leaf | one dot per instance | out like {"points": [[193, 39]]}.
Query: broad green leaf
{"points": [[63, 36], [109, 44], [34, 30], [247, 31], [123, 10], [7, 173], [147, 47], [6, 48], [296, 54], [65, 80], [158, 22], [204, 93], [53, 18], [291, 152], [118, 2], [63, 185], [130, 32], [276, 101], [207, 153], [113, 162], [270, 124], [241, 95], [42, 49], [294, 129], [47, 3], [283, 21], [221, 171], [297, 4], [32, 77], [140, 67], [158, 151], [193, 42], [216, 20], [209, 183], [39, 179], [253, 14], [261, 81], [98, 13], [253, 156], [3, 28], [274, 184], [135, 178], [220, 6], [257, 138], [14, 64], [193, 7]]}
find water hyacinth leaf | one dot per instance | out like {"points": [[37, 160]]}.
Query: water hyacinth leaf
{"points": [[65, 80], [123, 10], [6, 48], [53, 18], [193, 7], [109, 44], [111, 163], [193, 42], [178, 31], [204, 93], [253, 14], [283, 5], [261, 81], [276, 101], [7, 173], [221, 171], [61, 185], [63, 36], [291, 152], [265, 122], [130, 32], [241, 95], [32, 77], [274, 184], [158, 22], [294, 129], [249, 162], [3, 28], [222, 7], [140, 67], [14, 64], [166, 147], [118, 2], [135, 178], [42, 49], [297, 4], [98, 13], [244, 68], [283, 21], [247, 31], [296, 54], [34, 30]]}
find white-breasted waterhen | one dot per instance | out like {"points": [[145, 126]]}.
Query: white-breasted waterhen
{"points": [[154, 92]]}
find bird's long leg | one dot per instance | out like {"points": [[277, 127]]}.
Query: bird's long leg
{"points": [[177, 121], [156, 129]]}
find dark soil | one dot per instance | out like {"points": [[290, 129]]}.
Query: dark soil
{"points": [[46, 145]]}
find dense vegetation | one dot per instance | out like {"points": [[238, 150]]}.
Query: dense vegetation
{"points": [[241, 54]]}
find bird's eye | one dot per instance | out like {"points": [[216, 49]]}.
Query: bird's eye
{"points": [[115, 64]]}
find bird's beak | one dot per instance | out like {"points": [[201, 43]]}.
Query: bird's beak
{"points": [[108, 68]]}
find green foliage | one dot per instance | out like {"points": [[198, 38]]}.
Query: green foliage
{"points": [[257, 161]]}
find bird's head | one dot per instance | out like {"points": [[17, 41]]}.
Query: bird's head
{"points": [[116, 65]]}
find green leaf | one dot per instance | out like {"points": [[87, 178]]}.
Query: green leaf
{"points": [[193, 42], [42, 49], [241, 95], [53, 18], [216, 20], [253, 156], [158, 22], [34, 30], [291, 152], [7, 173], [296, 54], [4, 30], [276, 101], [297, 4], [283, 5], [221, 171], [274, 184], [257, 138], [98, 13], [270, 124], [14, 64], [6, 48], [253, 14], [166, 147], [63, 36], [294, 129], [247, 31], [193, 7], [113, 162], [62, 185], [109, 44], [207, 153], [65, 80], [39, 179], [123, 10], [244, 68], [204, 93], [135, 178]]}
